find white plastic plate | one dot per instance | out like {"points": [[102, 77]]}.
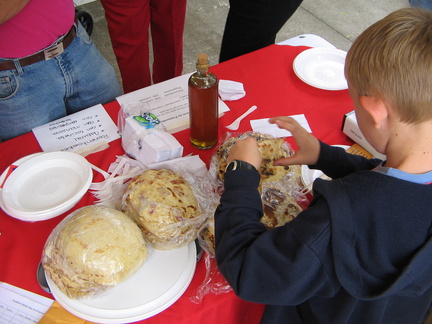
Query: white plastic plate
{"points": [[46, 185], [322, 68], [6, 173], [308, 176], [160, 281]]}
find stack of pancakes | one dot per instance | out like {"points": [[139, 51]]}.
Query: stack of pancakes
{"points": [[164, 206], [279, 205], [93, 249]]}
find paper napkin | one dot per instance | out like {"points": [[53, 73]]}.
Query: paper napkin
{"points": [[231, 90], [193, 163], [264, 127]]}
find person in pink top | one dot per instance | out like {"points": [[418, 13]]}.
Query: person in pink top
{"points": [[129, 22], [49, 66]]}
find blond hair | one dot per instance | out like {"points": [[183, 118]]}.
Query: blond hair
{"points": [[392, 59]]}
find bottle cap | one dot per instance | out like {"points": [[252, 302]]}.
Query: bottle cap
{"points": [[202, 59], [202, 62]]}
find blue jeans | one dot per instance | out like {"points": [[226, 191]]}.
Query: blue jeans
{"points": [[36, 94], [425, 4]]}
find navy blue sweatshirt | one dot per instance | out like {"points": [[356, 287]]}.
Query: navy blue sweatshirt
{"points": [[361, 253]]}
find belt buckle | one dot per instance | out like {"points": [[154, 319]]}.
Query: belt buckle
{"points": [[53, 51]]}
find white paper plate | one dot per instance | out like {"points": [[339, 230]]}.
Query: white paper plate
{"points": [[322, 68], [6, 173], [308, 176], [46, 185], [160, 281], [17, 163]]}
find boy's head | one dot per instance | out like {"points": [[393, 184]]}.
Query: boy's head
{"points": [[392, 59]]}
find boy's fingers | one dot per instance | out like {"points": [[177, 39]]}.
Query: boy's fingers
{"points": [[287, 123], [292, 160]]}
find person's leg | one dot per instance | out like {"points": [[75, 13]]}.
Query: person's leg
{"points": [[253, 24], [34, 95], [128, 26], [30, 97], [167, 27], [89, 78]]}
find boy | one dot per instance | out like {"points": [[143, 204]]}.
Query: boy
{"points": [[361, 253]]}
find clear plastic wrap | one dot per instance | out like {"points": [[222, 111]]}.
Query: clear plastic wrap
{"points": [[213, 282], [93, 249], [283, 181], [271, 148], [144, 137], [206, 236], [169, 205], [137, 108], [282, 200]]}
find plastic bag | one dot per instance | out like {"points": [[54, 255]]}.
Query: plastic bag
{"points": [[280, 198], [213, 283], [286, 180], [144, 137], [143, 111], [170, 205], [93, 249]]}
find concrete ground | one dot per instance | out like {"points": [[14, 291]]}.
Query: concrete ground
{"points": [[338, 21]]}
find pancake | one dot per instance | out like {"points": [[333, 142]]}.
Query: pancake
{"points": [[93, 249], [207, 237], [164, 206], [279, 207], [270, 148]]}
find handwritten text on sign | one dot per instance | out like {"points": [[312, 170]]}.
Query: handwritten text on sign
{"points": [[77, 131]]}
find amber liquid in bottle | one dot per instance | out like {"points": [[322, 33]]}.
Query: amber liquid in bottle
{"points": [[203, 106]]}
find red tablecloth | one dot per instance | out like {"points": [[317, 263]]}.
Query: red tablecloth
{"points": [[271, 84]]}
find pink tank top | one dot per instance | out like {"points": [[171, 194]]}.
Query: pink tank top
{"points": [[36, 27]]}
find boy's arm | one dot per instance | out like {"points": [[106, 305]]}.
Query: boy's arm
{"points": [[336, 163], [275, 266], [10, 8]]}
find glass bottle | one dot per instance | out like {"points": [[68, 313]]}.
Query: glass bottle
{"points": [[203, 105]]}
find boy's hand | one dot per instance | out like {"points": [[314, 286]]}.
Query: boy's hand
{"points": [[308, 146], [246, 150]]}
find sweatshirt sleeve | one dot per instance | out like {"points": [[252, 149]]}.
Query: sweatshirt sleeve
{"points": [[285, 265], [337, 163]]}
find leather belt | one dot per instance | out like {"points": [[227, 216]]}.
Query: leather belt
{"points": [[47, 54]]}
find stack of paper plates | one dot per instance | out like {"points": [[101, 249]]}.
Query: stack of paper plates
{"points": [[45, 185], [160, 281]]}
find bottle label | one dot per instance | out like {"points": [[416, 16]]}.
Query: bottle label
{"points": [[147, 120]]}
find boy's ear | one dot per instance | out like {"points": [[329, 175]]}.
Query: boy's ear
{"points": [[376, 108]]}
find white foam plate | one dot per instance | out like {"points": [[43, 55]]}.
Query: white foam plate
{"points": [[308, 176], [46, 185], [6, 173], [160, 281], [322, 68]]}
